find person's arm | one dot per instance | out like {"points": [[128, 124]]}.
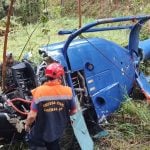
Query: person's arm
{"points": [[72, 103], [73, 107], [31, 116]]}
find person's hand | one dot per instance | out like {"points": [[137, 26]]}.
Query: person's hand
{"points": [[27, 128], [73, 111]]}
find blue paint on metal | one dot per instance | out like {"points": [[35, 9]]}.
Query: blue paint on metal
{"points": [[148, 78], [55, 52], [104, 21], [143, 83], [107, 100], [63, 32], [81, 131], [112, 64], [145, 49], [117, 65]]}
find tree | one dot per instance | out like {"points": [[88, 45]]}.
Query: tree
{"points": [[29, 10]]}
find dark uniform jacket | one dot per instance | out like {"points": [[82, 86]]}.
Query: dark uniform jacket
{"points": [[52, 101]]}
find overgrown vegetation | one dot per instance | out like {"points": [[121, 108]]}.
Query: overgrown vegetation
{"points": [[30, 11], [129, 128]]}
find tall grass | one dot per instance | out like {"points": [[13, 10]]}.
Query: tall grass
{"points": [[129, 127]]}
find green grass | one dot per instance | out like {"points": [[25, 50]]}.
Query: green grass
{"points": [[129, 128]]}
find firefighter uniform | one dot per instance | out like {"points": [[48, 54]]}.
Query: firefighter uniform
{"points": [[52, 102]]}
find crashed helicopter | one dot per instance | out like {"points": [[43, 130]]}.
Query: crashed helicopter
{"points": [[100, 72]]}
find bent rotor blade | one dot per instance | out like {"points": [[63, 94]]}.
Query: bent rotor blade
{"points": [[144, 85]]}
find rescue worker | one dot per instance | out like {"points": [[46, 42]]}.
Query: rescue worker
{"points": [[50, 109], [10, 61]]}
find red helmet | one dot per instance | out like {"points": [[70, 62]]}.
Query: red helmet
{"points": [[54, 70]]}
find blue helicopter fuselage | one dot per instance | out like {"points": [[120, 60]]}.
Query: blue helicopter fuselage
{"points": [[108, 70]]}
